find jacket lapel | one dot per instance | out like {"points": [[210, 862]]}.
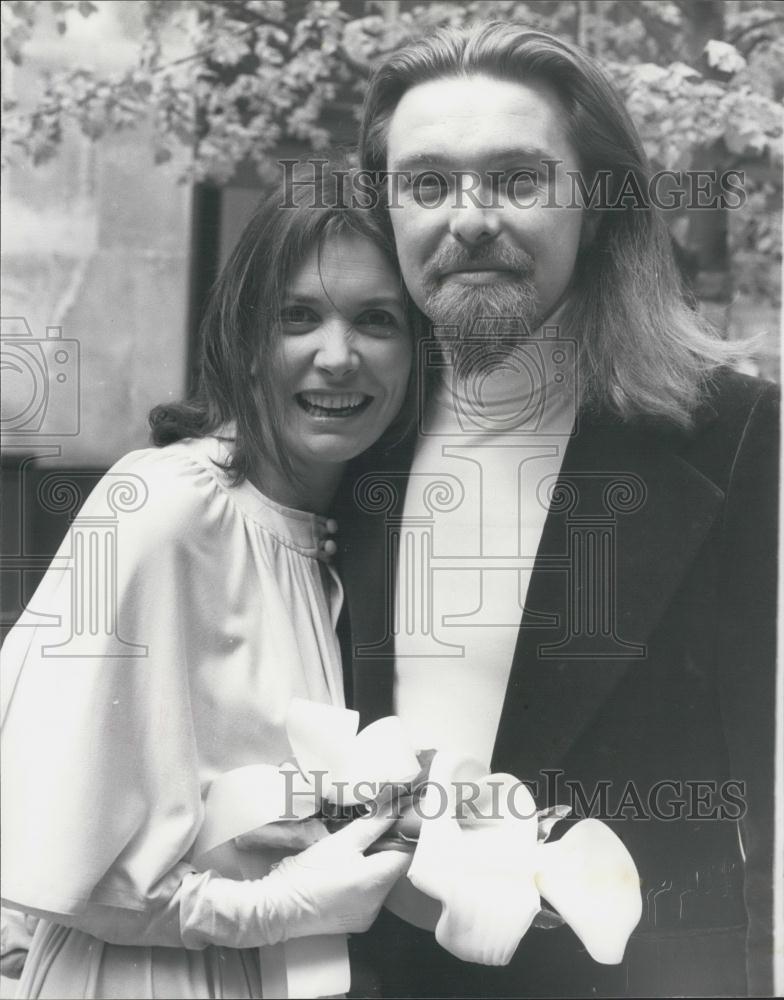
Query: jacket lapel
{"points": [[371, 499], [626, 519]]}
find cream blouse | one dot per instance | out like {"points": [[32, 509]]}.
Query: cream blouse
{"points": [[180, 616]]}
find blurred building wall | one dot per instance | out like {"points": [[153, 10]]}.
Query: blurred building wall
{"points": [[96, 241], [96, 262]]}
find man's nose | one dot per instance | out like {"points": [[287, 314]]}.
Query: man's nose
{"points": [[336, 354], [472, 223]]}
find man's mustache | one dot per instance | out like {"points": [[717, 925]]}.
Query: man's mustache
{"points": [[498, 258]]}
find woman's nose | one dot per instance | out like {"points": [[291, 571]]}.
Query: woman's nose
{"points": [[336, 354]]}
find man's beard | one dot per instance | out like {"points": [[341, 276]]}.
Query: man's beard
{"points": [[498, 312]]}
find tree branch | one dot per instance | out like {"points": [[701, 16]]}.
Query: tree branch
{"points": [[152, 71], [777, 18]]}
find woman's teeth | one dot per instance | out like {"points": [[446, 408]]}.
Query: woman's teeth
{"points": [[329, 404]]}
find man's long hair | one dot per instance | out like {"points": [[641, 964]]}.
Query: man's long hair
{"points": [[644, 352], [238, 382]]}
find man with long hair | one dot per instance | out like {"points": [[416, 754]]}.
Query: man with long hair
{"points": [[567, 571]]}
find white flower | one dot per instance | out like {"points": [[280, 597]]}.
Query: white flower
{"points": [[489, 874], [724, 57]]}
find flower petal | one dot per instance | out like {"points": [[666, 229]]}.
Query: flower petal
{"points": [[348, 768], [591, 880], [482, 870]]}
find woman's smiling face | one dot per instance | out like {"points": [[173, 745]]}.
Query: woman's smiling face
{"points": [[345, 352]]}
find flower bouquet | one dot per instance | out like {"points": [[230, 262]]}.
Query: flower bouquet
{"points": [[483, 870]]}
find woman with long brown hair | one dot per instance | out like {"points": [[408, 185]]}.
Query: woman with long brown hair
{"points": [[225, 610]]}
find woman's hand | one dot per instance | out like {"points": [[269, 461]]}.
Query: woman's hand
{"points": [[332, 888], [295, 835]]}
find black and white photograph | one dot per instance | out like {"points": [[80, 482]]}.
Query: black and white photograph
{"points": [[389, 462]]}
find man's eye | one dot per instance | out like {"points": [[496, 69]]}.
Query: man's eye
{"points": [[378, 320], [297, 316], [521, 181], [430, 179], [429, 184]]}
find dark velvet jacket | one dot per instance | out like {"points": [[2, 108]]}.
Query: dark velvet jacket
{"points": [[677, 690]]}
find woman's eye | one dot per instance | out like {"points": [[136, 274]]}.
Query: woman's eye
{"points": [[377, 320], [294, 316]]}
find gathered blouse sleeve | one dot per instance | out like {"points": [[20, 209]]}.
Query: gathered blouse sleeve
{"points": [[109, 682]]}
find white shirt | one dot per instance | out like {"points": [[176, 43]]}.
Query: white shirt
{"points": [[467, 549]]}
